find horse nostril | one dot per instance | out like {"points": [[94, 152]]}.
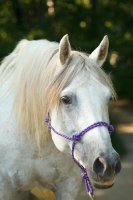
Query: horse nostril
{"points": [[118, 167], [102, 165], [98, 167]]}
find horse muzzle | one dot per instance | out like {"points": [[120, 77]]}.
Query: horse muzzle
{"points": [[105, 169]]}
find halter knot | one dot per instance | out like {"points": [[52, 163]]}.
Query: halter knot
{"points": [[47, 119], [110, 128], [84, 176], [76, 137]]}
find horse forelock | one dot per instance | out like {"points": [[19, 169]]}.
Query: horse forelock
{"points": [[37, 87], [78, 62]]}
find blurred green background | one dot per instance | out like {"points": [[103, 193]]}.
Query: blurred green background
{"points": [[86, 22]]}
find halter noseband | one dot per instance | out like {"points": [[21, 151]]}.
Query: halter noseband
{"points": [[75, 138]]}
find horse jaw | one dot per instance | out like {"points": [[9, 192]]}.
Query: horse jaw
{"points": [[100, 53]]}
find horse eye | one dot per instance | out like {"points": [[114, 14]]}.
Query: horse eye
{"points": [[66, 100]]}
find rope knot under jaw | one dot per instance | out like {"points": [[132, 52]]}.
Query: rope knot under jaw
{"points": [[76, 138]]}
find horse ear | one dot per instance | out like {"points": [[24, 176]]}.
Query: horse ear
{"points": [[100, 53], [64, 49]]}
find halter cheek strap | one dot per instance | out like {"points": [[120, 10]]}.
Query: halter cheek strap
{"points": [[75, 138]]}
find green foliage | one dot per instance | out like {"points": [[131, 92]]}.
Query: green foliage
{"points": [[86, 22]]}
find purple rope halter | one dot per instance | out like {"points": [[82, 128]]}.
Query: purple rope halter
{"points": [[75, 138]]}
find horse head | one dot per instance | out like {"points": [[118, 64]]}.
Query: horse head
{"points": [[83, 101]]}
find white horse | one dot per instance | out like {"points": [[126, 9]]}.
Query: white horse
{"points": [[41, 77]]}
